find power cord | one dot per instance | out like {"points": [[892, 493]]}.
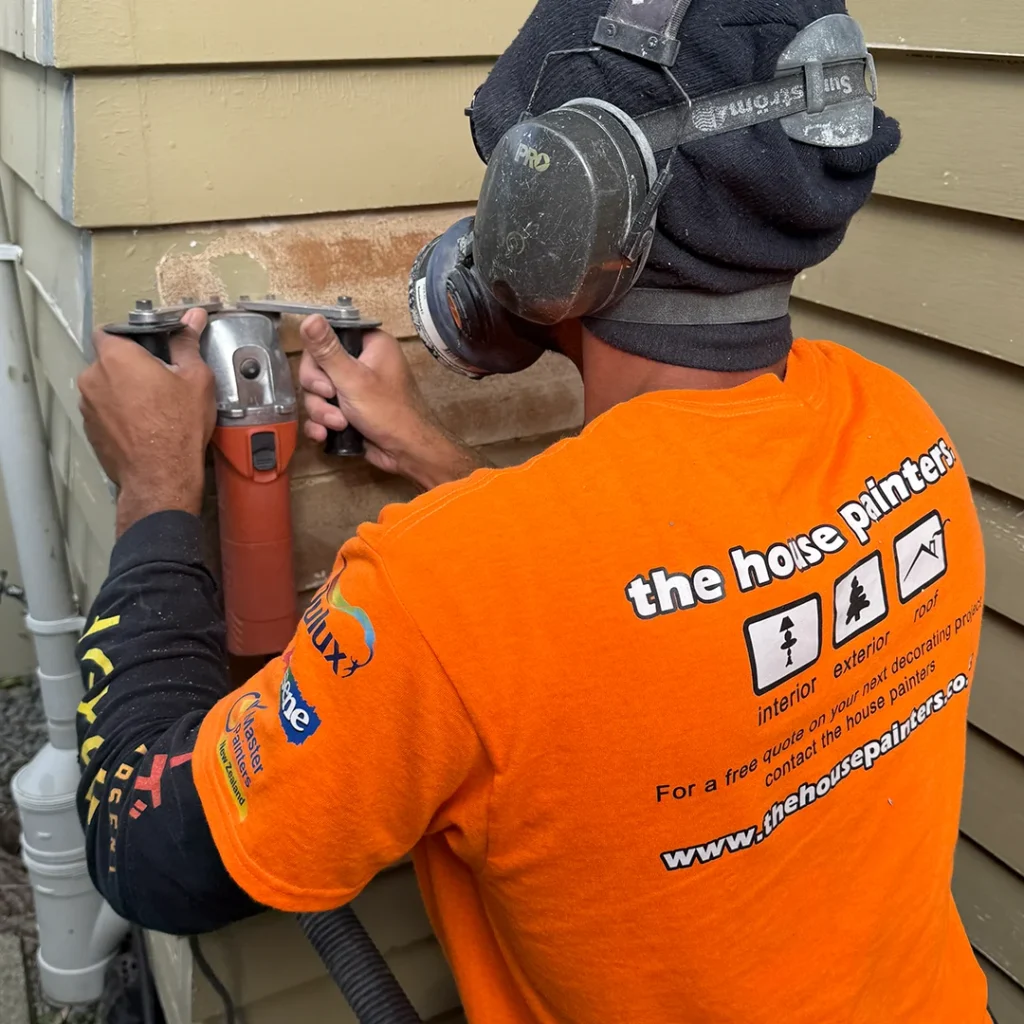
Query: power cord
{"points": [[216, 984]]}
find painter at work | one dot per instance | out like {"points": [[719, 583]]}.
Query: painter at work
{"points": [[512, 513]]}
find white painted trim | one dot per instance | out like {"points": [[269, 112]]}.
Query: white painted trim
{"points": [[51, 303]]}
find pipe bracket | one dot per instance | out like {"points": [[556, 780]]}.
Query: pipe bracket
{"points": [[58, 627], [10, 253]]}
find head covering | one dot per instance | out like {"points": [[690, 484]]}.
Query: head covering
{"points": [[745, 209]]}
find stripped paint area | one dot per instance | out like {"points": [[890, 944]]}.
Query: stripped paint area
{"points": [[313, 260]]}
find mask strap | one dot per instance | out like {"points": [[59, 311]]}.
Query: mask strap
{"points": [[842, 95], [645, 30], [673, 306], [823, 94]]}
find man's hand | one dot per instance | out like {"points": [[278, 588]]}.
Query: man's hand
{"points": [[150, 423], [378, 395]]}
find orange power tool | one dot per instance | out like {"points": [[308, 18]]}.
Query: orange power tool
{"points": [[255, 439]]}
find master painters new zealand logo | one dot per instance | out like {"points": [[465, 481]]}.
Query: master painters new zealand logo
{"points": [[239, 749], [345, 640]]}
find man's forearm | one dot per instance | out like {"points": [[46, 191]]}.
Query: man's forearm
{"points": [[153, 663], [442, 458], [138, 498]]}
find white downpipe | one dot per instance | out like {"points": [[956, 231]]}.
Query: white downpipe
{"points": [[78, 933]]}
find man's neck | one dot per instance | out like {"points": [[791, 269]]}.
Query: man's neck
{"points": [[611, 376]]}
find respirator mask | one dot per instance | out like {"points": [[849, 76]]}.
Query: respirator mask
{"points": [[567, 211]]}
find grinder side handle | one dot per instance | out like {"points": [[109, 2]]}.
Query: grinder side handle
{"points": [[156, 342], [158, 345], [346, 443]]}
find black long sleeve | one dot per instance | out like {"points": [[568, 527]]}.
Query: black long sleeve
{"points": [[153, 662]]}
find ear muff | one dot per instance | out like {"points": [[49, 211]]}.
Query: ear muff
{"points": [[460, 321], [557, 211], [561, 231]]}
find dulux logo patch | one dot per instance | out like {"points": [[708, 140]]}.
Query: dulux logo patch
{"points": [[342, 633], [298, 718]]}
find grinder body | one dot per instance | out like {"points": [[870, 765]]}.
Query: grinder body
{"points": [[254, 442]]}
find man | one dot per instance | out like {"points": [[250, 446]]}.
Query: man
{"points": [[672, 718]]}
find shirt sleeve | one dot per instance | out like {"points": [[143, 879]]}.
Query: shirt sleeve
{"points": [[153, 664], [340, 756]]}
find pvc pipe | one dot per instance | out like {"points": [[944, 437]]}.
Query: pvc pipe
{"points": [[44, 791], [82, 931], [25, 462], [78, 932]]}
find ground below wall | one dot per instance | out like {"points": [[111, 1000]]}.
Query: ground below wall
{"points": [[23, 733]]}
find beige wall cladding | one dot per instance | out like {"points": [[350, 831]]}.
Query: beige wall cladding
{"points": [[994, 799], [203, 146], [124, 33], [1005, 999], [963, 126], [179, 147], [978, 399], [991, 901], [956, 277], [129, 33], [995, 702], [1002, 519], [981, 26]]}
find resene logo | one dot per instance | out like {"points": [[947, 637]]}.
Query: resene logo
{"points": [[298, 717]]}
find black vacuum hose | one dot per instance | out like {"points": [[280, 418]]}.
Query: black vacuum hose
{"points": [[357, 967]]}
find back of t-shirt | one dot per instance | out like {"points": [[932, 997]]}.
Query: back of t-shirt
{"points": [[718, 651]]}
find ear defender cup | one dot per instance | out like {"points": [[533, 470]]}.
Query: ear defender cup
{"points": [[461, 323], [560, 199]]}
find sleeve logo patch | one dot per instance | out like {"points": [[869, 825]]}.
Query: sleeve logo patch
{"points": [[238, 752], [342, 633], [298, 717]]}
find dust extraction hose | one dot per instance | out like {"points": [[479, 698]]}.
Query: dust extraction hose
{"points": [[357, 967]]}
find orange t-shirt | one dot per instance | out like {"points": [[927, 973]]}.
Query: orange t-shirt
{"points": [[672, 717]]}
